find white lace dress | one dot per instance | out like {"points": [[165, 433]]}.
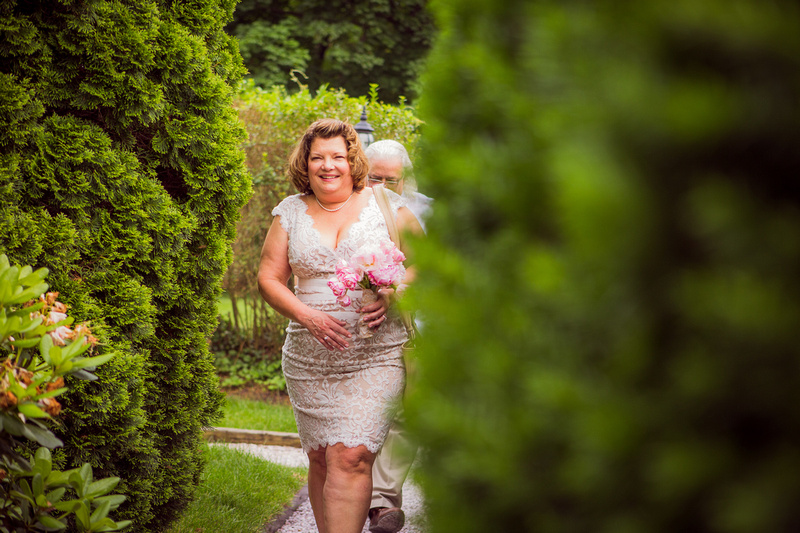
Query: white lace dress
{"points": [[339, 396]]}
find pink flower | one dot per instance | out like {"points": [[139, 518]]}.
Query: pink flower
{"points": [[342, 267], [82, 329], [387, 275], [350, 280], [347, 275], [392, 251], [337, 287], [55, 317], [372, 266], [363, 260], [61, 334]]}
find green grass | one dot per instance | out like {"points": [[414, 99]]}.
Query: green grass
{"points": [[252, 414], [239, 493], [225, 309]]}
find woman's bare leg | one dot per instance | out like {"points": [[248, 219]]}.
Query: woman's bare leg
{"points": [[317, 472], [348, 488]]}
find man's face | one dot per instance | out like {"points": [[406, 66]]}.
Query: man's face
{"points": [[388, 172]]}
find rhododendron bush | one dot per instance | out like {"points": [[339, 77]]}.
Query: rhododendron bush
{"points": [[38, 347]]}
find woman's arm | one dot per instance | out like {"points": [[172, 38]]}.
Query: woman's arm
{"points": [[407, 222], [273, 274]]}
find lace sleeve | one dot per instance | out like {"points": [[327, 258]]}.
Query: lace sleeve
{"points": [[287, 210]]}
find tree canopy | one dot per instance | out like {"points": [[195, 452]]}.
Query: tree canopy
{"points": [[339, 43]]}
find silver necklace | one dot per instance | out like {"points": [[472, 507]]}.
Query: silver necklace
{"points": [[334, 210]]}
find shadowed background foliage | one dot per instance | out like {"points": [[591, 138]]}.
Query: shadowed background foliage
{"points": [[347, 44], [610, 276]]}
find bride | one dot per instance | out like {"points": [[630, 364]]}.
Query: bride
{"points": [[342, 387]]}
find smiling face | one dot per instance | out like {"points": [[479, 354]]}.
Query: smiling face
{"points": [[328, 166]]}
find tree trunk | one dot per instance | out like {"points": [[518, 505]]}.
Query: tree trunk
{"points": [[234, 310]]}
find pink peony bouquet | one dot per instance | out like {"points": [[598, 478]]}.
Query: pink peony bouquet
{"points": [[371, 268]]}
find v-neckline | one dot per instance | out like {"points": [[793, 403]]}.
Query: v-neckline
{"points": [[346, 234]]}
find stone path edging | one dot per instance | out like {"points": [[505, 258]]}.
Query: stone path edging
{"points": [[252, 436], [277, 523]]}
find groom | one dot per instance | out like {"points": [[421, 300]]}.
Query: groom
{"points": [[390, 165]]}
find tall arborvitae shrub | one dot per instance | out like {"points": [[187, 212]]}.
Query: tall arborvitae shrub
{"points": [[120, 172], [610, 281]]}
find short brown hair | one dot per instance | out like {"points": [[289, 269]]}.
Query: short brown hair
{"points": [[328, 128]]}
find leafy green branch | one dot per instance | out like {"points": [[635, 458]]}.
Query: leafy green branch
{"points": [[38, 347]]}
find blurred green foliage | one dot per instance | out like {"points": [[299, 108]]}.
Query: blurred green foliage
{"points": [[120, 172], [610, 276]]}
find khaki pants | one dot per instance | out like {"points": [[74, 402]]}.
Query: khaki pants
{"points": [[391, 466]]}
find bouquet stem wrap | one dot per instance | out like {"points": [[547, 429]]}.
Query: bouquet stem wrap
{"points": [[367, 297]]}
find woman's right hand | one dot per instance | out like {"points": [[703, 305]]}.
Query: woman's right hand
{"points": [[329, 331]]}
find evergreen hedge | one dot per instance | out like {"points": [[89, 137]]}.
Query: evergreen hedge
{"points": [[611, 270], [120, 172]]}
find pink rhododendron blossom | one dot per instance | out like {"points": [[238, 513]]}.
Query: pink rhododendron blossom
{"points": [[345, 300], [56, 317], [83, 330], [61, 334]]}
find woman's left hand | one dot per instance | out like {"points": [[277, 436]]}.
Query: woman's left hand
{"points": [[374, 314]]}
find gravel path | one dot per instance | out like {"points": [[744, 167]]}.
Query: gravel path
{"points": [[302, 520]]}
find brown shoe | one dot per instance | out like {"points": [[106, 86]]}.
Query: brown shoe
{"points": [[386, 519]]}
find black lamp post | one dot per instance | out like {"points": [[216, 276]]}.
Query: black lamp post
{"points": [[364, 129]]}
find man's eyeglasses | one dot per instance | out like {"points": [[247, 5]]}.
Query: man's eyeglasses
{"points": [[374, 180]]}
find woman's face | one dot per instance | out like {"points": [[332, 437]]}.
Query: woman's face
{"points": [[328, 167]]}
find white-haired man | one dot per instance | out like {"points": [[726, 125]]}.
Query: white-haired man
{"points": [[390, 165]]}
